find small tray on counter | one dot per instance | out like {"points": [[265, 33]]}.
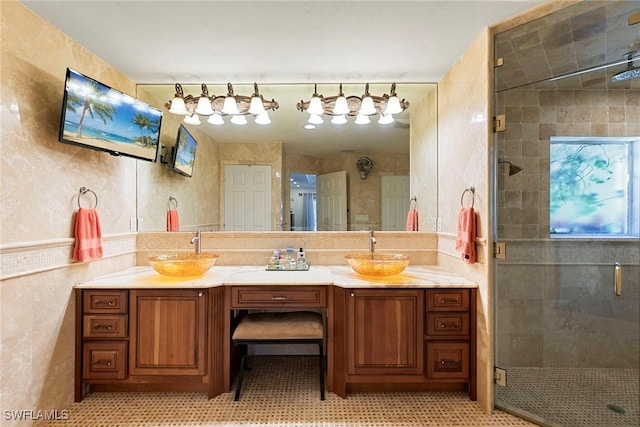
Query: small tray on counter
{"points": [[306, 268]]}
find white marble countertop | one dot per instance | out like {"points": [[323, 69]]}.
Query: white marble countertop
{"points": [[342, 276], [411, 277]]}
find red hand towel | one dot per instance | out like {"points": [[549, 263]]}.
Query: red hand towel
{"points": [[173, 222], [88, 235], [466, 240], [412, 220]]}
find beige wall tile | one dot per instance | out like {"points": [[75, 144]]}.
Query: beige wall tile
{"points": [[462, 162], [36, 227], [55, 175]]}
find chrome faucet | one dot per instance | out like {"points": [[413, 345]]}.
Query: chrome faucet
{"points": [[372, 242], [197, 239]]}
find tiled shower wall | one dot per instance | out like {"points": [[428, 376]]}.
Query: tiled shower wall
{"points": [[532, 117], [555, 299]]}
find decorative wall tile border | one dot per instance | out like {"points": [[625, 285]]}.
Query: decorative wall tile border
{"points": [[447, 246], [35, 257]]}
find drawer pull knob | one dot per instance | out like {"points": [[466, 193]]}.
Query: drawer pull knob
{"points": [[278, 298], [448, 325], [103, 363], [102, 327], [448, 301], [104, 302], [449, 362]]}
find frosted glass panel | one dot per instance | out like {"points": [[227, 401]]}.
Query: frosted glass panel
{"points": [[589, 188]]}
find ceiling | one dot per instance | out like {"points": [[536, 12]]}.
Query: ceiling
{"points": [[273, 43]]}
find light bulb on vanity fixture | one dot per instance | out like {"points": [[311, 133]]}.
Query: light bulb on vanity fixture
{"points": [[386, 119], [339, 120], [362, 119], [215, 119], [192, 119], [239, 120], [315, 119], [341, 106], [218, 107]]}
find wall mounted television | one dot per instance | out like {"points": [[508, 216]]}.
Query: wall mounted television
{"points": [[184, 155], [101, 118]]}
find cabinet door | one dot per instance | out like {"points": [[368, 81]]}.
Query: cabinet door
{"points": [[385, 332], [168, 332]]}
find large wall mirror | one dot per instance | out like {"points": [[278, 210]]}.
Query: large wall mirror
{"points": [[298, 158]]}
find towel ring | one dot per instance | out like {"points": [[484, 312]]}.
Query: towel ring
{"points": [[172, 202], [83, 191], [472, 190]]}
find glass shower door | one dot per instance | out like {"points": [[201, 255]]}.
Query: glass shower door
{"points": [[567, 316]]}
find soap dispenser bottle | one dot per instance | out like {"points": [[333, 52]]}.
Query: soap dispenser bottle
{"points": [[301, 262]]}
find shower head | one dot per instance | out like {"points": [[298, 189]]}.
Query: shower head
{"points": [[513, 169], [630, 73]]}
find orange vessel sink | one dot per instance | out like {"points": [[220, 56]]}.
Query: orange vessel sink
{"points": [[183, 264], [377, 265]]}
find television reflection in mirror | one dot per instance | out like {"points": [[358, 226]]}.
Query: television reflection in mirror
{"points": [[184, 155], [98, 117]]}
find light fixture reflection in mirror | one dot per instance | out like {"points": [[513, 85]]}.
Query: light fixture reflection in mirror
{"points": [[325, 148], [216, 107], [362, 107]]}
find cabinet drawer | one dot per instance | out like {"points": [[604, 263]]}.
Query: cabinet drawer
{"points": [[104, 326], [448, 360], [277, 297], [448, 300], [113, 301], [104, 360], [447, 323]]}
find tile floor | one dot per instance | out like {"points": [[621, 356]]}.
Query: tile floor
{"points": [[283, 391], [572, 397]]}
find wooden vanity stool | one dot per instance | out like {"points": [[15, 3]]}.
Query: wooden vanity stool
{"points": [[279, 328]]}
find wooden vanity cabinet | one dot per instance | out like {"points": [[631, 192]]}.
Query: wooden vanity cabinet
{"points": [[105, 333], [145, 340], [450, 337], [102, 337], [403, 340]]}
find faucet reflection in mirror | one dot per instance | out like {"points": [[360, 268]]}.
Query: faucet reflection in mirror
{"points": [[372, 242], [217, 107], [197, 240], [341, 106]]}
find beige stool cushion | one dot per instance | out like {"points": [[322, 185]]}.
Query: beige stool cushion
{"points": [[274, 325]]}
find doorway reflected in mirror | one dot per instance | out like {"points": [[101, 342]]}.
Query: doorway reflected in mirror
{"points": [[302, 207]]}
